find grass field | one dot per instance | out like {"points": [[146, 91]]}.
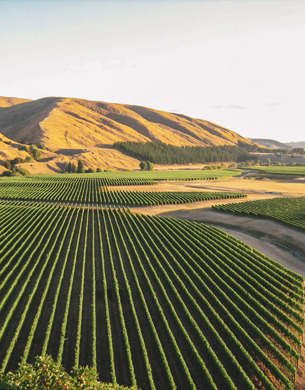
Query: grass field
{"points": [[290, 211], [158, 302]]}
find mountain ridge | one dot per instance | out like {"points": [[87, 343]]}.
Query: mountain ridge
{"points": [[72, 128], [75, 123]]}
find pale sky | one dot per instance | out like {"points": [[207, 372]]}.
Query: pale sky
{"points": [[240, 64]]}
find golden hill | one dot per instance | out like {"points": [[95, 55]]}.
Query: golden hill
{"points": [[64, 123], [11, 101], [76, 128]]}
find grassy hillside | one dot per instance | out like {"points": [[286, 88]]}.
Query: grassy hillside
{"points": [[65, 123], [271, 143], [11, 101]]}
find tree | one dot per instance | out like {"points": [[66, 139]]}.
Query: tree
{"points": [[90, 170], [80, 166], [17, 160], [35, 152], [7, 164], [73, 168], [150, 165], [143, 165], [28, 159], [99, 170], [69, 167], [7, 173]]}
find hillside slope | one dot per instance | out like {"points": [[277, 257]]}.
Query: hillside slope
{"points": [[11, 101], [66, 123], [299, 144], [271, 143]]}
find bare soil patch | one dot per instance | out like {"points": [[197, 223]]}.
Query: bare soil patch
{"points": [[260, 188]]}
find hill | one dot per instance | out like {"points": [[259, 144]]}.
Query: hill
{"points": [[64, 123], [11, 101], [299, 144], [76, 128], [271, 143]]}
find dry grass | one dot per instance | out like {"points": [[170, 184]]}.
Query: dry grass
{"points": [[65, 123], [11, 101]]}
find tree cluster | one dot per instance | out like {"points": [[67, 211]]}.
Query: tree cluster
{"points": [[146, 165], [13, 169], [73, 168], [34, 152], [80, 168], [160, 153]]}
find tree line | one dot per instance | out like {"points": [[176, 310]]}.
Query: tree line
{"points": [[161, 153]]}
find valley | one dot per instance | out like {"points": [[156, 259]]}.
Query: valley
{"points": [[185, 276]]}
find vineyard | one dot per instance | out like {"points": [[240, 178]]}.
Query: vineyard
{"points": [[150, 175], [290, 211], [156, 302], [94, 190], [283, 170]]}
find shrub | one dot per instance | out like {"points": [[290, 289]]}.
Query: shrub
{"points": [[7, 173], [44, 373], [17, 160], [7, 164], [35, 152], [22, 171]]}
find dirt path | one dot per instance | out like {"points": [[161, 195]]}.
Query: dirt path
{"points": [[281, 243]]}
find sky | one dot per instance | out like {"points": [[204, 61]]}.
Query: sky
{"points": [[238, 63]]}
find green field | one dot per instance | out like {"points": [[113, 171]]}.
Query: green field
{"points": [[158, 302], [290, 211], [94, 191], [284, 170]]}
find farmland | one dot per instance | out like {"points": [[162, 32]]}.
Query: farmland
{"points": [[96, 191], [157, 302], [185, 174], [290, 211], [283, 170]]}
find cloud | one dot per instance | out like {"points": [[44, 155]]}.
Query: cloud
{"points": [[274, 104], [231, 106]]}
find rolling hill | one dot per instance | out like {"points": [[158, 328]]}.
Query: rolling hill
{"points": [[271, 143], [76, 128], [11, 101], [299, 144]]}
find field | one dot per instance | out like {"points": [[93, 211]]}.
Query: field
{"points": [[284, 170], [154, 175], [95, 191], [157, 302], [290, 211]]}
